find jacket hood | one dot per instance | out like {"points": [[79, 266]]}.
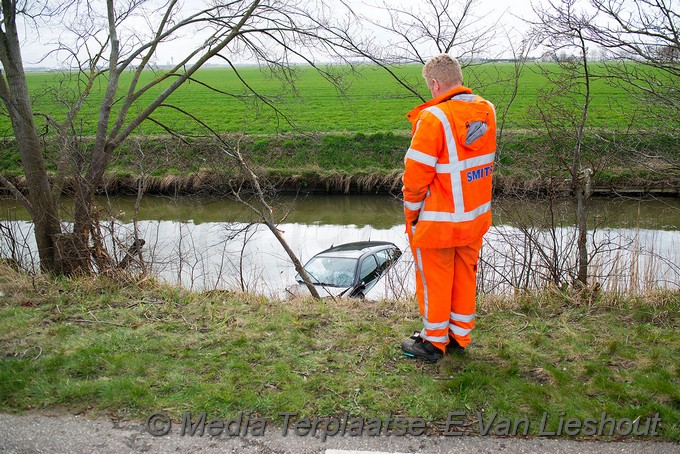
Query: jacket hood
{"points": [[413, 114]]}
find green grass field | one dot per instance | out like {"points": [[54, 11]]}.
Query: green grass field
{"points": [[92, 344], [373, 101]]}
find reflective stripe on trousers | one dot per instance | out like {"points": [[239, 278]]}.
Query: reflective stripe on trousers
{"points": [[446, 291]]}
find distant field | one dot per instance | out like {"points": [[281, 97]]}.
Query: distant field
{"points": [[373, 102]]}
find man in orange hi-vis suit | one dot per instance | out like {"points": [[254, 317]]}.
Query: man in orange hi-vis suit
{"points": [[447, 204]]}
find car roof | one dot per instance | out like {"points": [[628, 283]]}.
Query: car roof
{"points": [[356, 249]]}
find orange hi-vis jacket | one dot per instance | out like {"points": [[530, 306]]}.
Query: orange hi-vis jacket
{"points": [[448, 170]]}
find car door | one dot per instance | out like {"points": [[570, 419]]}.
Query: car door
{"points": [[369, 271]]}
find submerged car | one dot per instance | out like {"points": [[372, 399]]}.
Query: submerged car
{"points": [[350, 269]]}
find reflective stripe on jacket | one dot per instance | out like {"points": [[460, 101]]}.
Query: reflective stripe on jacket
{"points": [[448, 170]]}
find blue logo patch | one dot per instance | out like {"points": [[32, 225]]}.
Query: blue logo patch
{"points": [[473, 175]]}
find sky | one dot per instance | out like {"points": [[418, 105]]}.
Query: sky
{"points": [[36, 42]]}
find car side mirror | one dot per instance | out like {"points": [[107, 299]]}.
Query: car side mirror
{"points": [[358, 289]]}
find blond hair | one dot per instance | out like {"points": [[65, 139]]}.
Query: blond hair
{"points": [[445, 69]]}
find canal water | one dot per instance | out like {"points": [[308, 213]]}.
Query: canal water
{"points": [[206, 244]]}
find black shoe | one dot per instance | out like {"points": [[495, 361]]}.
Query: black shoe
{"points": [[417, 347], [454, 348]]}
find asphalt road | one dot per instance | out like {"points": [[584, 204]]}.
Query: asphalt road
{"points": [[55, 431]]}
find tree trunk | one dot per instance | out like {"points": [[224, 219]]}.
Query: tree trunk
{"points": [[84, 216], [582, 274], [71, 258], [296, 262], [45, 218], [581, 176], [583, 193], [15, 95]]}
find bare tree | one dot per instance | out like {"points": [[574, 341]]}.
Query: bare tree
{"points": [[436, 26], [519, 49], [259, 205], [645, 32], [412, 34], [563, 107], [642, 41], [109, 39]]}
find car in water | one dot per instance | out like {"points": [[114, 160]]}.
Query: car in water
{"points": [[350, 269]]}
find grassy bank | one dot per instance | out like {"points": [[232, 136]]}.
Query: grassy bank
{"points": [[91, 344], [370, 163]]}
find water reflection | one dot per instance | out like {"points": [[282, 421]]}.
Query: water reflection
{"points": [[204, 244], [378, 211]]}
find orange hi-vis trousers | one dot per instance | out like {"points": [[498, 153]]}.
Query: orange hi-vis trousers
{"points": [[446, 288]]}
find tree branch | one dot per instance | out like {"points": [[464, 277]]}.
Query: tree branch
{"points": [[17, 194], [115, 141]]}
